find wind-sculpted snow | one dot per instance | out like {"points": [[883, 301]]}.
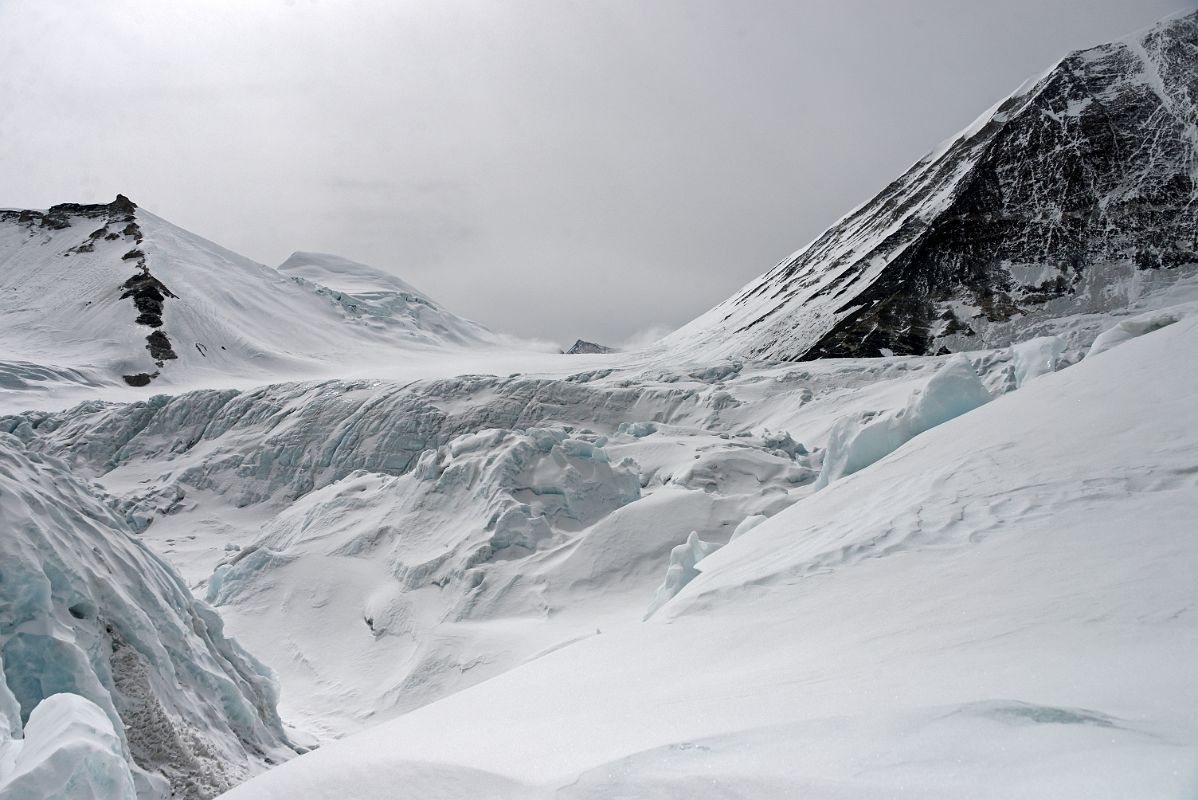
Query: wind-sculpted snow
{"points": [[88, 611], [433, 534], [1004, 606], [1076, 195]]}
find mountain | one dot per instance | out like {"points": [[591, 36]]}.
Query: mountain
{"points": [[1077, 194], [668, 573], [99, 293], [583, 347]]}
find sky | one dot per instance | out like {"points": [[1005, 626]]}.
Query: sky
{"points": [[557, 169]]}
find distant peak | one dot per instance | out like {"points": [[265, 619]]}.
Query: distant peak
{"points": [[583, 347], [344, 274]]}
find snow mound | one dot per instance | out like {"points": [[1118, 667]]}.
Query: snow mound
{"points": [[69, 749], [1140, 325], [87, 610]]}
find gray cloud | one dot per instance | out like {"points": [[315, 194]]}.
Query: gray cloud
{"points": [[551, 168]]}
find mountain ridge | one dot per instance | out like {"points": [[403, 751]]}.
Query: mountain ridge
{"points": [[141, 300], [972, 241]]}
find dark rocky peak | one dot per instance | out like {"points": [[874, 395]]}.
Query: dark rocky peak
{"points": [[60, 216], [583, 347], [1091, 165]]}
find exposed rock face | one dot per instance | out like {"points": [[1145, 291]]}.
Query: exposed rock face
{"points": [[58, 217], [1084, 175], [583, 347], [146, 291]]}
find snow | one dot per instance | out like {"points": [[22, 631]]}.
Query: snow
{"points": [[979, 613], [343, 275], [477, 568], [787, 312], [69, 334], [69, 749], [417, 506], [1139, 325]]}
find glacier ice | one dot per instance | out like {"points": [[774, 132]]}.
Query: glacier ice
{"points": [[87, 611], [682, 569], [981, 609], [1036, 357], [855, 443]]}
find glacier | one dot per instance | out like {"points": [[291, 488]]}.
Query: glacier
{"points": [[102, 642], [1001, 618], [910, 515]]}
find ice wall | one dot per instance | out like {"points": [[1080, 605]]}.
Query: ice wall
{"points": [[87, 611]]}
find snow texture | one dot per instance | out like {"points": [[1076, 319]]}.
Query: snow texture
{"points": [[482, 569], [982, 613]]}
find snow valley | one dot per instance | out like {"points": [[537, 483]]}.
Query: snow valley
{"points": [[910, 515]]}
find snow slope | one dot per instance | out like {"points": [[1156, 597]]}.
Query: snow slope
{"points": [[82, 288], [111, 674], [1073, 197], [1004, 606]]}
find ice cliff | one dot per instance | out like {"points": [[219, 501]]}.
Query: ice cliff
{"points": [[113, 676]]}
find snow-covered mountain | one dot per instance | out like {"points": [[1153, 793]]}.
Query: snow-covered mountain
{"points": [[1074, 196], [113, 678], [96, 294], [696, 570]]}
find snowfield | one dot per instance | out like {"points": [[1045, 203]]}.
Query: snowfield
{"points": [[1004, 607]]}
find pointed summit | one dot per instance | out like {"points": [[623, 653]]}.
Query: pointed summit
{"points": [[1049, 205]]}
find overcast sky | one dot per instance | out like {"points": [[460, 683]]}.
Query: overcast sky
{"points": [[550, 168]]}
